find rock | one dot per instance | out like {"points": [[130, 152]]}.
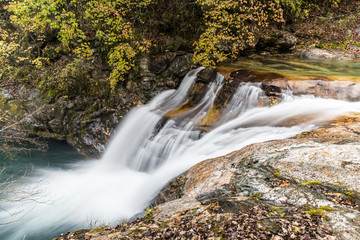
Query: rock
{"points": [[159, 63], [286, 42], [264, 54], [252, 172], [8, 96], [305, 187], [207, 75], [179, 66], [315, 53], [357, 31], [271, 90], [70, 104], [281, 41], [56, 125], [273, 84], [174, 190], [147, 83]]}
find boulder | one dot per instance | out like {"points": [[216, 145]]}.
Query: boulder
{"points": [[286, 42], [207, 75], [317, 53], [304, 187]]}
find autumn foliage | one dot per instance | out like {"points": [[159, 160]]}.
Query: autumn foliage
{"points": [[120, 30]]}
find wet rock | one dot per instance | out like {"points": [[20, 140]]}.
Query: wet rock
{"points": [[271, 90], [86, 121], [179, 66], [252, 173], [285, 189], [174, 190], [273, 84], [56, 125], [207, 75]]}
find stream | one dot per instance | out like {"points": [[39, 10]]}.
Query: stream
{"points": [[64, 192]]}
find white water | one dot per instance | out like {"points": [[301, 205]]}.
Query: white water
{"points": [[147, 152]]}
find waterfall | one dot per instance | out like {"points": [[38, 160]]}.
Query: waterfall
{"points": [[149, 150]]}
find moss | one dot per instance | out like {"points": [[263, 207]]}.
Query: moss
{"points": [[327, 208], [98, 229], [277, 210], [148, 212], [255, 196], [319, 211], [277, 175], [310, 183], [348, 193], [315, 212], [165, 224], [149, 215]]}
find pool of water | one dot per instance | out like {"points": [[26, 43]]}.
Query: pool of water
{"points": [[19, 168], [302, 67]]}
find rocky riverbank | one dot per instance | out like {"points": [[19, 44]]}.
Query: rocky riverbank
{"points": [[305, 187], [300, 188]]}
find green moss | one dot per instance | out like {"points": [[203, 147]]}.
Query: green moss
{"points": [[149, 215], [327, 208], [277, 210], [165, 224], [315, 212], [348, 193], [255, 196], [320, 45], [98, 229], [277, 175], [310, 183], [319, 211], [245, 161]]}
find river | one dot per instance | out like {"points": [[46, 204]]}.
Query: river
{"points": [[65, 192]]}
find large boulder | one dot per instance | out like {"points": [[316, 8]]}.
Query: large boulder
{"points": [[299, 188]]}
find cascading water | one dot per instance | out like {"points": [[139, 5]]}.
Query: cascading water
{"points": [[148, 151]]}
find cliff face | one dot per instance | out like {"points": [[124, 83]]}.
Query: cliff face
{"points": [[87, 120]]}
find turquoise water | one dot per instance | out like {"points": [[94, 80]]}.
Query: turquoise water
{"points": [[25, 166], [58, 155]]}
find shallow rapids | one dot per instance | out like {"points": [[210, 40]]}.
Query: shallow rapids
{"points": [[147, 151]]}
